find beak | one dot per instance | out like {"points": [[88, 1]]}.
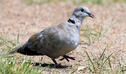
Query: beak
{"points": [[90, 15]]}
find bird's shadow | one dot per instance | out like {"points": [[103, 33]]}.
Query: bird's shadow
{"points": [[59, 66]]}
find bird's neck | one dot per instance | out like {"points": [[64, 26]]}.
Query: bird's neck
{"points": [[75, 20]]}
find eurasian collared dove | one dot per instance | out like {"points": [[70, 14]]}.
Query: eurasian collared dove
{"points": [[58, 40]]}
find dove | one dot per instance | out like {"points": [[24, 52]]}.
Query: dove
{"points": [[58, 40]]}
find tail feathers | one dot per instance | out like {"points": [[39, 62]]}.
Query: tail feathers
{"points": [[14, 50], [25, 50]]}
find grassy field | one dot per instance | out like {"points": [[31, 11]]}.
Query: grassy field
{"points": [[102, 49], [99, 2]]}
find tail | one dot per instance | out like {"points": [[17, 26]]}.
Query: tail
{"points": [[25, 50], [15, 50]]}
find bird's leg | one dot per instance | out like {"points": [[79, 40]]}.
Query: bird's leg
{"points": [[55, 61], [67, 58], [56, 64]]}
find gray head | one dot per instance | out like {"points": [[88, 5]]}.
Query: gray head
{"points": [[80, 13]]}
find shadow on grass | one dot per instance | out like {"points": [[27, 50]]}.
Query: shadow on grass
{"points": [[59, 66]]}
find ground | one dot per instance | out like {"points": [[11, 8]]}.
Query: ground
{"points": [[17, 17]]}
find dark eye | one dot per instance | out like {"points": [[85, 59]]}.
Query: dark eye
{"points": [[82, 10]]}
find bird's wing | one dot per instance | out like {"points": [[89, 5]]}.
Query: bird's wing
{"points": [[41, 42], [47, 40]]}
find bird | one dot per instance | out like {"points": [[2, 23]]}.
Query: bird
{"points": [[57, 40]]}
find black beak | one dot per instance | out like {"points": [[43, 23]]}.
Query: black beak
{"points": [[90, 15]]}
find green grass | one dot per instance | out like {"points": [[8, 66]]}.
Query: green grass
{"points": [[98, 2], [93, 35], [97, 65], [103, 64], [78, 2], [10, 64]]}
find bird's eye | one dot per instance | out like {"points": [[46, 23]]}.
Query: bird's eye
{"points": [[82, 10]]}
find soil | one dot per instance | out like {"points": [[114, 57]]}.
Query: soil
{"points": [[17, 17]]}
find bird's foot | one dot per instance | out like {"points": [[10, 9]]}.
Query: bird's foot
{"points": [[67, 58], [56, 64]]}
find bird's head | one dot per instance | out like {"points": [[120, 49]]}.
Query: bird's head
{"points": [[81, 12]]}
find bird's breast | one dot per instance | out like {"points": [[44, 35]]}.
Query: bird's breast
{"points": [[71, 38], [63, 42], [74, 38]]}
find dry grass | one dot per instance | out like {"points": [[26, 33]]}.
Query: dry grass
{"points": [[106, 31]]}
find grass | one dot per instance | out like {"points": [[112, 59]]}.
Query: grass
{"points": [[97, 65], [78, 2], [10, 65], [103, 65], [93, 35]]}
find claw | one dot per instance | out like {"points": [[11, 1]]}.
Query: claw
{"points": [[67, 58]]}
